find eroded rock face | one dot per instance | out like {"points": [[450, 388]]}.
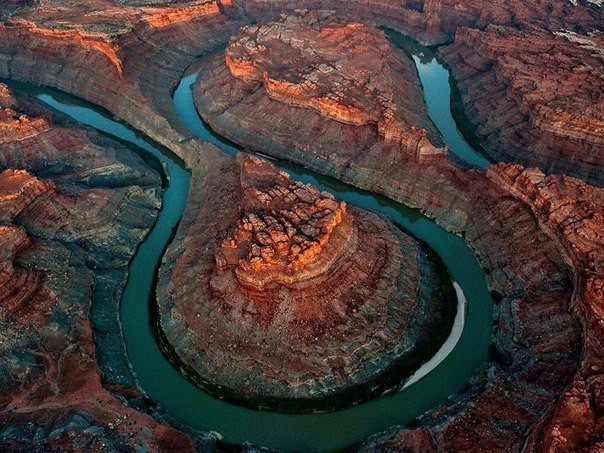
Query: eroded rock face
{"points": [[125, 56], [284, 231], [435, 21], [330, 65], [335, 78], [572, 213], [534, 330], [275, 307], [534, 96], [66, 237], [537, 335]]}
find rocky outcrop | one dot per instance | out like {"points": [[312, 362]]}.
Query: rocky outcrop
{"points": [[533, 365], [289, 232], [296, 301], [67, 235], [572, 213], [534, 97], [435, 21], [537, 327], [124, 56], [312, 75], [337, 68]]}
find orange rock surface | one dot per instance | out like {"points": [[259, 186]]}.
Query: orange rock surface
{"points": [[329, 65], [285, 229], [343, 70], [294, 274]]}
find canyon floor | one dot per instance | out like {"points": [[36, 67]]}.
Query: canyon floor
{"points": [[318, 84]]}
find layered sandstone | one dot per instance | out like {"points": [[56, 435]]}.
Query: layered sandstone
{"points": [[532, 334], [295, 300], [533, 330], [435, 21], [572, 213], [66, 237], [125, 56], [313, 75], [289, 232], [534, 97], [533, 367]]}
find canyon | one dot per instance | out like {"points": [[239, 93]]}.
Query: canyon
{"points": [[526, 109], [528, 76]]}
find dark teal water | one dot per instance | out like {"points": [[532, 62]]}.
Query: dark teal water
{"points": [[316, 432]]}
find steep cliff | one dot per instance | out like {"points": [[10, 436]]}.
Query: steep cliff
{"points": [[67, 236], [534, 97]]}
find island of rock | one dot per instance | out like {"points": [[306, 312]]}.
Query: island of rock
{"points": [[277, 294]]}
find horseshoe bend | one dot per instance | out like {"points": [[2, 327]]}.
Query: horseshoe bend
{"points": [[219, 218], [291, 295]]}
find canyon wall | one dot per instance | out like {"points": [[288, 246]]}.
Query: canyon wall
{"points": [[73, 208], [435, 21], [534, 96]]}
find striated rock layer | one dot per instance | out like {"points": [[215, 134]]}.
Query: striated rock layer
{"points": [[278, 295], [72, 211], [435, 21], [536, 338], [570, 213], [311, 75], [534, 97], [125, 56]]}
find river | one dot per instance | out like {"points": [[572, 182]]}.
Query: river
{"points": [[465, 350]]}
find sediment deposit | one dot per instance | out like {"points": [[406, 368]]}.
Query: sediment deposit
{"points": [[276, 293]]}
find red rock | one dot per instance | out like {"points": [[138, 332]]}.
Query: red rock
{"points": [[255, 316], [535, 96], [49, 377], [435, 21], [312, 75], [572, 213], [513, 243]]}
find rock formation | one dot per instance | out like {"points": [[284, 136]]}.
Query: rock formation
{"points": [[534, 97], [572, 213], [296, 301], [320, 77], [435, 21], [125, 56], [66, 236]]}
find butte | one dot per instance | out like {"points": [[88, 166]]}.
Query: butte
{"points": [[275, 294]]}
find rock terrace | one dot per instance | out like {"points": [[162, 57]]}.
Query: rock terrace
{"points": [[311, 63], [284, 229]]}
